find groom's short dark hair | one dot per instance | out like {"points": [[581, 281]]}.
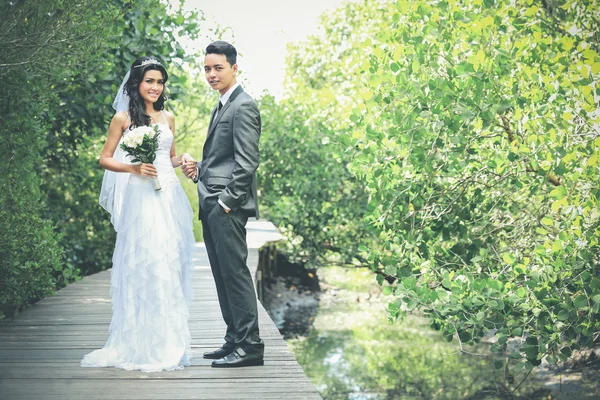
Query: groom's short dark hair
{"points": [[224, 48]]}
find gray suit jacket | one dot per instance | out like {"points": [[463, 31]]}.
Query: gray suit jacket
{"points": [[230, 156]]}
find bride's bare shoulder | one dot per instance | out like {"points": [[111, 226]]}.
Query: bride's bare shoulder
{"points": [[120, 116], [120, 119], [169, 116]]}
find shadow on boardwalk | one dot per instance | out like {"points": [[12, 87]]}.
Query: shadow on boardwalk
{"points": [[40, 350]]}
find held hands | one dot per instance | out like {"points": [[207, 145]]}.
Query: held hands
{"points": [[145, 170], [188, 166]]}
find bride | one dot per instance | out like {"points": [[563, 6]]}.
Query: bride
{"points": [[151, 272]]}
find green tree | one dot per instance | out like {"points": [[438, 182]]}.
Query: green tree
{"points": [[473, 128], [40, 44], [306, 187]]}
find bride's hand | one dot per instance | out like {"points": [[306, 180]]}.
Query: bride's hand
{"points": [[188, 166], [146, 170]]}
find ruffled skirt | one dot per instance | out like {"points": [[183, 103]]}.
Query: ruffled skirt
{"points": [[150, 282]]}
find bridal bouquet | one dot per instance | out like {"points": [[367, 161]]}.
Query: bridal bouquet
{"points": [[142, 143]]}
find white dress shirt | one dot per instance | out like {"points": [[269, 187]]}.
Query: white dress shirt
{"points": [[225, 97]]}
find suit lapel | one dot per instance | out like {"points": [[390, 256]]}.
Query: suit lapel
{"points": [[214, 121]]}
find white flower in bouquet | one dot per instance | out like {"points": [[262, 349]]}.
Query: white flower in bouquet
{"points": [[142, 143], [135, 138]]}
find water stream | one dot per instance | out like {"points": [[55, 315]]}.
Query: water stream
{"points": [[334, 321]]}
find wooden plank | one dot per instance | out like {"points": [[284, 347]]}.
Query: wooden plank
{"points": [[176, 395], [40, 350], [256, 388], [256, 384], [67, 330], [98, 343], [51, 371]]}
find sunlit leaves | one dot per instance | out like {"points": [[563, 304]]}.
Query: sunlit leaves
{"points": [[473, 128]]}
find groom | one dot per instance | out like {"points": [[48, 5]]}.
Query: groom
{"points": [[227, 189]]}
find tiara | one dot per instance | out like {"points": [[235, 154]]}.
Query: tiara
{"points": [[146, 62]]}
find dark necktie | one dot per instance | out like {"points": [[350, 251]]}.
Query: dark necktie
{"points": [[217, 113]]}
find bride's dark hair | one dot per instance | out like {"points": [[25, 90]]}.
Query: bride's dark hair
{"points": [[137, 107]]}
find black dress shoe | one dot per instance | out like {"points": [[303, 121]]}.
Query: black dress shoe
{"points": [[239, 358], [220, 352]]}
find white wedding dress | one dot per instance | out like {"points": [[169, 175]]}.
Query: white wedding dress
{"points": [[151, 274]]}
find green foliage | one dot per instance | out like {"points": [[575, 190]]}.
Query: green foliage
{"points": [[30, 262], [473, 128], [30, 254], [305, 186]]}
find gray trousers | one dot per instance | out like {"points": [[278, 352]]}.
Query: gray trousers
{"points": [[225, 241]]}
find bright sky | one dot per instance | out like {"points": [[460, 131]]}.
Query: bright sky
{"points": [[261, 29]]}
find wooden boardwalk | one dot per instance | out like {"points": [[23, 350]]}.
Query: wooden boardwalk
{"points": [[40, 350]]}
